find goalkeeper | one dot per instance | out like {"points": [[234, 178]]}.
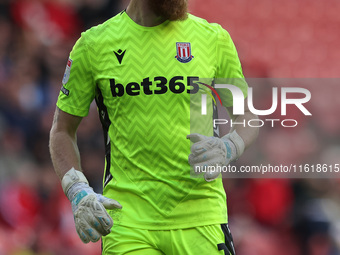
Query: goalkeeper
{"points": [[142, 68]]}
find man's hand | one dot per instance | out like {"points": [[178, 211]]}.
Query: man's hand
{"points": [[90, 217], [209, 152]]}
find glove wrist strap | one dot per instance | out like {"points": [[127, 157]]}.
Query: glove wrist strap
{"points": [[71, 177], [237, 141]]}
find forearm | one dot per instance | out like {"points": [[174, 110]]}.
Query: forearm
{"points": [[63, 143], [247, 133], [64, 152]]}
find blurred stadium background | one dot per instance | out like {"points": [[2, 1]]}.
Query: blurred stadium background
{"points": [[282, 38]]}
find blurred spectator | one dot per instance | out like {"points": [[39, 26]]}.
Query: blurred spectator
{"points": [[47, 21], [96, 12], [36, 38]]}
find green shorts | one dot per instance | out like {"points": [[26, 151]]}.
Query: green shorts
{"points": [[204, 240]]}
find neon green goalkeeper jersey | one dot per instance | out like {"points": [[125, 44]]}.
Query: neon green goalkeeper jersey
{"points": [[143, 79]]}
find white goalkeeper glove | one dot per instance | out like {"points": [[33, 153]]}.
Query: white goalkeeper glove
{"points": [[212, 153], [90, 217]]}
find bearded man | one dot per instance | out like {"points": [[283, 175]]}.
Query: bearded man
{"points": [[144, 68]]}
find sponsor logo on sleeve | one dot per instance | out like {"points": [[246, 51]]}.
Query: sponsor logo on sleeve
{"points": [[65, 90], [67, 71]]}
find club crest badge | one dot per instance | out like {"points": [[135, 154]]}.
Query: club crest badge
{"points": [[184, 52]]}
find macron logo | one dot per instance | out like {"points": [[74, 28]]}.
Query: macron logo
{"points": [[120, 55]]}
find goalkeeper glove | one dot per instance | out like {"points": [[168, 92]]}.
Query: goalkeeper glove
{"points": [[212, 153], [90, 217]]}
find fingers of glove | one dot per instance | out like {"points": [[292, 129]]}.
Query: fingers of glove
{"points": [[210, 170], [109, 203], [83, 237], [199, 147], [211, 175], [208, 144], [95, 215], [212, 157], [196, 137], [103, 221], [85, 231]]}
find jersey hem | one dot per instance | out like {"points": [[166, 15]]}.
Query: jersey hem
{"points": [[163, 226]]}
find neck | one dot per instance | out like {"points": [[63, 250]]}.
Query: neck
{"points": [[139, 12]]}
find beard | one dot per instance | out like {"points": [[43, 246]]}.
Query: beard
{"points": [[170, 9]]}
